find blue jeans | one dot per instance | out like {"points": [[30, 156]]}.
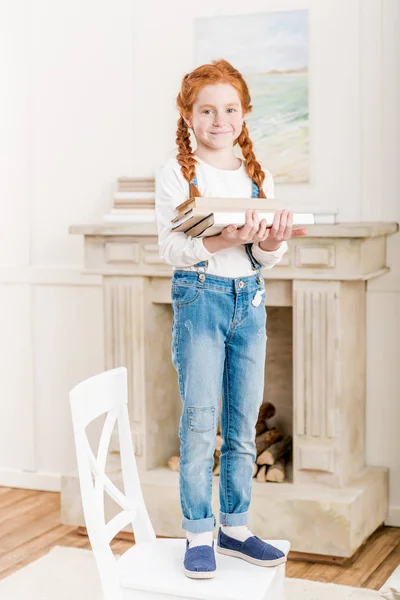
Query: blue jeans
{"points": [[218, 345]]}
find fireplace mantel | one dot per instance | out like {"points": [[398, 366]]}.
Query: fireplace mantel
{"points": [[335, 500], [344, 252]]}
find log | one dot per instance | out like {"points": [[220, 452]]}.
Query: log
{"points": [[217, 454], [267, 410], [261, 426], [271, 454], [216, 470], [255, 469], [276, 472], [261, 474], [266, 439], [218, 442], [173, 463]]}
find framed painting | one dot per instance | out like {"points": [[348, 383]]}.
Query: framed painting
{"points": [[271, 52]]}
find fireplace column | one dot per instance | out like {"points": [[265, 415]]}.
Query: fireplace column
{"points": [[329, 380], [138, 335]]}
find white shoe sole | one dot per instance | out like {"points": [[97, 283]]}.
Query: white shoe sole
{"points": [[254, 561], [199, 574]]}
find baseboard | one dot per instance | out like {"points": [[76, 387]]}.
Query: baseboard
{"points": [[393, 518], [46, 482]]}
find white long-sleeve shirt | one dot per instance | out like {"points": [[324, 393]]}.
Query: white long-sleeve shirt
{"points": [[182, 251]]}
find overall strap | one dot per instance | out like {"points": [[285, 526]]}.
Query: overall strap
{"points": [[255, 192], [204, 263]]}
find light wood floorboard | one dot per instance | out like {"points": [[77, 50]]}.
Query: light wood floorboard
{"points": [[30, 526]]}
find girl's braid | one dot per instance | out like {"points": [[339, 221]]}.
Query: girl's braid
{"points": [[253, 167], [185, 156]]}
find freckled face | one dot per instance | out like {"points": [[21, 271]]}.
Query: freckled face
{"points": [[217, 116]]}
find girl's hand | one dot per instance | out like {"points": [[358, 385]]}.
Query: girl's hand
{"points": [[251, 231], [269, 238], [281, 229]]}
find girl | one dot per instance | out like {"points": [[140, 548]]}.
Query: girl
{"points": [[219, 318]]}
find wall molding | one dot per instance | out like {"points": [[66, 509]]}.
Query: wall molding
{"points": [[45, 275], [29, 480]]}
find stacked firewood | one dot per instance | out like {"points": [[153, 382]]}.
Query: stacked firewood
{"points": [[273, 449]]}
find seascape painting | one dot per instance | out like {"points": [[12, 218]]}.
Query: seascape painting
{"points": [[271, 52]]}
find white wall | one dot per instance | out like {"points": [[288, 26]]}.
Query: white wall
{"points": [[380, 146], [66, 114], [90, 96]]}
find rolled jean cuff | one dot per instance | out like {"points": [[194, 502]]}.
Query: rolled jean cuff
{"points": [[233, 518], [199, 525]]}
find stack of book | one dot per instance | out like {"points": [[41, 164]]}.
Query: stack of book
{"points": [[203, 217], [134, 201]]}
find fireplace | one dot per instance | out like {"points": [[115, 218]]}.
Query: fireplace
{"points": [[315, 376], [278, 388]]}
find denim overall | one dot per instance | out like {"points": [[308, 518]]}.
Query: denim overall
{"points": [[218, 346]]}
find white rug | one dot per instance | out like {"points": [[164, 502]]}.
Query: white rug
{"points": [[70, 573], [391, 589]]}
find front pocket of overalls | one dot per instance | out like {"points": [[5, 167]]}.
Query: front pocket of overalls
{"points": [[202, 419], [184, 294]]}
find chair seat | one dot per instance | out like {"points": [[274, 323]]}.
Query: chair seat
{"points": [[158, 567]]}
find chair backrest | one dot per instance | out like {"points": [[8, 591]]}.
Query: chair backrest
{"points": [[100, 394]]}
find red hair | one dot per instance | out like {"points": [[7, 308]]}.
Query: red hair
{"points": [[219, 71]]}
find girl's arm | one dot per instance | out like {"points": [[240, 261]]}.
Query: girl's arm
{"points": [[176, 248]]}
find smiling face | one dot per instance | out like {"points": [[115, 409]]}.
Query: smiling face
{"points": [[217, 116]]}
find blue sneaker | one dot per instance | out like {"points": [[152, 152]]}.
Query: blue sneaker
{"points": [[254, 550], [199, 561]]}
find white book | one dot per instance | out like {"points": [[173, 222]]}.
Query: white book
{"points": [[126, 196], [225, 218], [222, 219], [213, 223]]}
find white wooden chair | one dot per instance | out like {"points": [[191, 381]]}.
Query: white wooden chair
{"points": [[152, 569]]}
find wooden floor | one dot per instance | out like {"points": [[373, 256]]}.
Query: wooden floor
{"points": [[30, 527]]}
